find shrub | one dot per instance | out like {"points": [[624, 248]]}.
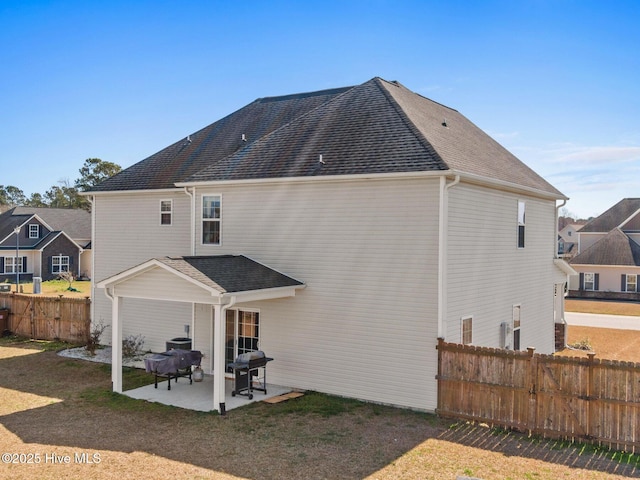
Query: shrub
{"points": [[94, 337], [583, 344], [132, 346]]}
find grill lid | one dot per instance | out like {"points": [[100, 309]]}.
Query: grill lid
{"points": [[248, 356]]}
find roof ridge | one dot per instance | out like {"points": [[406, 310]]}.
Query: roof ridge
{"points": [[406, 119]]}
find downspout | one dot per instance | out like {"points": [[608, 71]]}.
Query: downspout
{"points": [[218, 355], [193, 219], [442, 251], [91, 200], [192, 247]]}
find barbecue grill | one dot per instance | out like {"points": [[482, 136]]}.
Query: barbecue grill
{"points": [[172, 364], [246, 369]]}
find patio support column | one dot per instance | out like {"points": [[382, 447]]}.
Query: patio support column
{"points": [[218, 360], [116, 345]]}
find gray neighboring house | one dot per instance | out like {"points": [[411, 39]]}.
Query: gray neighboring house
{"points": [[42, 242], [608, 262], [342, 232]]}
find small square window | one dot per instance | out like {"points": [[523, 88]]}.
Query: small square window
{"points": [[34, 230]]}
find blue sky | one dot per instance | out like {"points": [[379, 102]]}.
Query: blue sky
{"points": [[556, 82]]}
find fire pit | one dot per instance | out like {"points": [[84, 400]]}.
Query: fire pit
{"points": [[246, 369]]}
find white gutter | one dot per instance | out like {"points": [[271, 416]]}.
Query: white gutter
{"points": [[442, 252]]}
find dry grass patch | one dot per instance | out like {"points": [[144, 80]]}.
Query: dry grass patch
{"points": [[602, 307], [314, 436]]}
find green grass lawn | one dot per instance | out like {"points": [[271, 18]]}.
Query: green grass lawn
{"points": [[81, 289]]}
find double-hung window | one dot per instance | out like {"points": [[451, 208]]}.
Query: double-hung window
{"points": [[10, 265], [166, 212], [59, 264], [590, 281], [521, 223], [34, 230], [211, 216], [630, 283]]}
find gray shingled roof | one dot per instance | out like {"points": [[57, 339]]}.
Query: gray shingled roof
{"points": [[376, 127], [616, 248], [215, 142], [613, 217], [229, 273], [76, 223]]}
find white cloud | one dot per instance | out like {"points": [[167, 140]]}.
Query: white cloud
{"points": [[598, 154], [594, 177]]}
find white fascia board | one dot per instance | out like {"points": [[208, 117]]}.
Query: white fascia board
{"points": [[265, 294], [61, 232], [40, 220], [597, 265], [128, 192], [564, 266], [319, 178], [148, 266], [629, 219], [502, 185]]}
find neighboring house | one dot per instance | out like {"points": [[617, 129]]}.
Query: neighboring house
{"points": [[568, 240], [43, 242], [340, 231], [608, 262]]}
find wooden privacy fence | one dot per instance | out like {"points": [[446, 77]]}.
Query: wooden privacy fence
{"points": [[584, 399], [48, 318]]}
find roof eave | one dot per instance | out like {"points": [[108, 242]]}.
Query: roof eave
{"points": [[510, 186]]}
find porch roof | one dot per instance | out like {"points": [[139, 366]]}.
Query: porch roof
{"points": [[202, 279]]}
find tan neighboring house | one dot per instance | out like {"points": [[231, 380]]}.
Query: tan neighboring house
{"points": [[342, 232], [608, 262], [568, 240]]}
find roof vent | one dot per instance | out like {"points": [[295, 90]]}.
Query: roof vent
{"points": [[444, 123], [320, 160], [244, 137]]}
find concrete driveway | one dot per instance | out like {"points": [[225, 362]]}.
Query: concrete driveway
{"points": [[603, 321]]}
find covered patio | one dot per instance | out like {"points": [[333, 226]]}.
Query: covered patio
{"points": [[221, 281], [199, 395]]}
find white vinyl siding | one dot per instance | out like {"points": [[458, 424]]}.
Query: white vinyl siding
{"points": [[486, 275], [122, 241], [166, 212], [211, 219], [367, 252], [466, 330]]}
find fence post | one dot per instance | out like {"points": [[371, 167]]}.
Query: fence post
{"points": [[532, 416], [439, 374], [590, 398], [32, 316]]}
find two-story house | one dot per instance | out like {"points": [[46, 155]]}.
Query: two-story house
{"points": [[43, 242], [340, 231], [608, 262]]}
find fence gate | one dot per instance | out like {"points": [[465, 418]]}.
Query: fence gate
{"points": [[48, 318]]}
